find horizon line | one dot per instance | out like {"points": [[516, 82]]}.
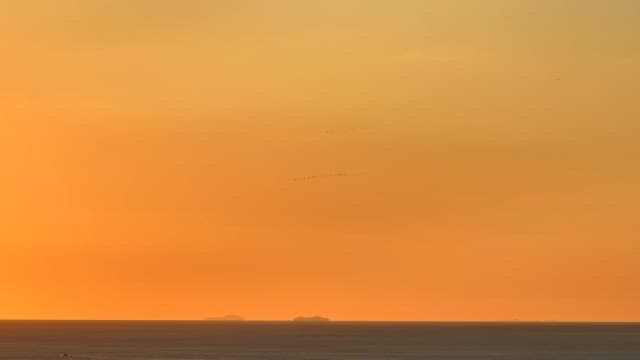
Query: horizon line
{"points": [[334, 321]]}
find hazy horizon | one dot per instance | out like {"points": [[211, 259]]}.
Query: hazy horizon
{"points": [[291, 320]]}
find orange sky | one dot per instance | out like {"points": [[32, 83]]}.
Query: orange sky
{"points": [[490, 151]]}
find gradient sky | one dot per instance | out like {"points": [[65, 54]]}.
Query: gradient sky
{"points": [[490, 149]]}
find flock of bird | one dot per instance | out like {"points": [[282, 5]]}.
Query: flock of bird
{"points": [[343, 131], [313, 177], [337, 174]]}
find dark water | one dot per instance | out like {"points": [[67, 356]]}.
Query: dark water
{"points": [[282, 341]]}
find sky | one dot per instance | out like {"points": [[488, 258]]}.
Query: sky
{"points": [[356, 159]]}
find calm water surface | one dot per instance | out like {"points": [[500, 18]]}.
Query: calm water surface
{"points": [[283, 341]]}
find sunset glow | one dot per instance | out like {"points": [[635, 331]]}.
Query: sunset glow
{"points": [[355, 159]]}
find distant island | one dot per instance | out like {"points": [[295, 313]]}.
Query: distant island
{"points": [[230, 317], [311, 319]]}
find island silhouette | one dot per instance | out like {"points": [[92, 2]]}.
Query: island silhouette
{"points": [[314, 319]]}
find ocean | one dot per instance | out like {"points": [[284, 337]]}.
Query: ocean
{"points": [[192, 340]]}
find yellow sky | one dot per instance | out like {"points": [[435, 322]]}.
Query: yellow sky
{"points": [[489, 151]]}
